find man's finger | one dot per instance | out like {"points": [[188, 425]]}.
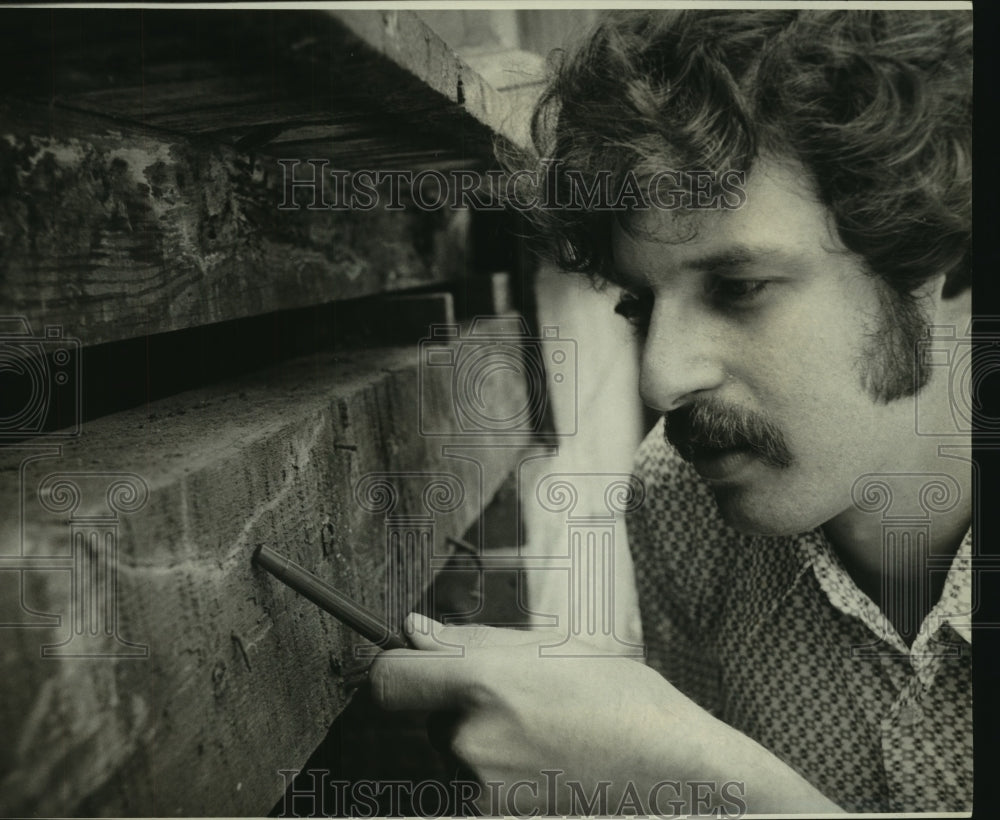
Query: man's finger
{"points": [[413, 679], [426, 633], [447, 666]]}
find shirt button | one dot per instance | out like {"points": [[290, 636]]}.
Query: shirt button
{"points": [[909, 714]]}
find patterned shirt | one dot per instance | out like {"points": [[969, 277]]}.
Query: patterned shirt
{"points": [[771, 635]]}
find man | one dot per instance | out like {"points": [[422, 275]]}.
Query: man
{"points": [[799, 555]]}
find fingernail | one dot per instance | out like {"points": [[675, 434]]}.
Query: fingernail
{"points": [[418, 624]]}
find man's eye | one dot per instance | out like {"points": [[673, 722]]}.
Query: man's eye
{"points": [[736, 291], [635, 307]]}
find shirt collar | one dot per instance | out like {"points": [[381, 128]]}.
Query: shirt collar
{"points": [[954, 607]]}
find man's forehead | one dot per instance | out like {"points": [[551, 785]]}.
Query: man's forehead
{"points": [[781, 216], [638, 259]]}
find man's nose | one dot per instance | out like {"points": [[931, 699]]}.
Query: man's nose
{"points": [[681, 359]]}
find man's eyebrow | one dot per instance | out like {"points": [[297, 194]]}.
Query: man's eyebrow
{"points": [[625, 279], [731, 259], [728, 260]]}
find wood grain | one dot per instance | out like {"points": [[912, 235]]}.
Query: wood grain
{"points": [[115, 231], [203, 724], [377, 85]]}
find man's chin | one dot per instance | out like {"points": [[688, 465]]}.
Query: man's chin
{"points": [[749, 514]]}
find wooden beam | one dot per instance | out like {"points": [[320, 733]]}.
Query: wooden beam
{"points": [[219, 676], [408, 41], [116, 231], [371, 84]]}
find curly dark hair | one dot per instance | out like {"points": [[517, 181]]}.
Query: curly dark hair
{"points": [[876, 105]]}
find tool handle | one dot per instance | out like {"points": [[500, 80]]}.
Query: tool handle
{"points": [[346, 610]]}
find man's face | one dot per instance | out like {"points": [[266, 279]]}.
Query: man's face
{"points": [[758, 338]]}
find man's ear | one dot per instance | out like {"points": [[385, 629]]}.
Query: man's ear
{"points": [[952, 310]]}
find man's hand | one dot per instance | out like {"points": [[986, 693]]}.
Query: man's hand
{"points": [[516, 714]]}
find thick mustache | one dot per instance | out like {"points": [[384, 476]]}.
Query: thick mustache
{"points": [[715, 426]]}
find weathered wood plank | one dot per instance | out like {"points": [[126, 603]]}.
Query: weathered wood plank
{"points": [[119, 231], [242, 676], [245, 76], [410, 42]]}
